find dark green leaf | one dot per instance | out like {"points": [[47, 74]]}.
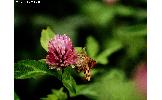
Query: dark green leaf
{"points": [[68, 81], [32, 68], [102, 58]]}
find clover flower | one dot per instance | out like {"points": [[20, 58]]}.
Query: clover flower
{"points": [[61, 52]]}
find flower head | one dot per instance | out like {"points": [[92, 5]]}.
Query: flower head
{"points": [[61, 52]]}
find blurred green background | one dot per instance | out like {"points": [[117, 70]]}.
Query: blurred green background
{"points": [[116, 29]]}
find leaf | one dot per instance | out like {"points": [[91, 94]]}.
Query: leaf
{"points": [[56, 95], [138, 30], [98, 13], [32, 68], [92, 47], [138, 13], [68, 81], [124, 10], [42, 60], [16, 96], [78, 49], [102, 58], [46, 36], [111, 85]]}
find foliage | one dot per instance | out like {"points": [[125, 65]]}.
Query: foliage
{"points": [[93, 48], [32, 69], [56, 95], [112, 85], [69, 82]]}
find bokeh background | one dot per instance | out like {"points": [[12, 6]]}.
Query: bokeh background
{"points": [[111, 23]]}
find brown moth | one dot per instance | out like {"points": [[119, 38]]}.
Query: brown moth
{"points": [[85, 63]]}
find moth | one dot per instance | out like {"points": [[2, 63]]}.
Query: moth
{"points": [[85, 63]]}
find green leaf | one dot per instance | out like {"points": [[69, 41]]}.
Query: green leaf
{"points": [[103, 12], [92, 47], [102, 58], [124, 10], [112, 85], [32, 69], [138, 30], [46, 35], [42, 60], [78, 49], [138, 13], [16, 96], [68, 81], [56, 95]]}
